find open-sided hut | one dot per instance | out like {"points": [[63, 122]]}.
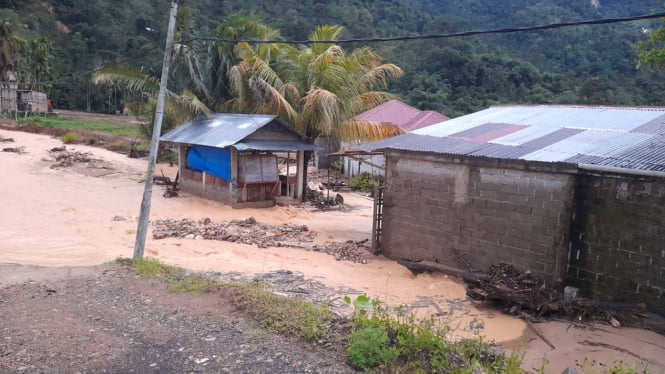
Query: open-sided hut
{"points": [[233, 158]]}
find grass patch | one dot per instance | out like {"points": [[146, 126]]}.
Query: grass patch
{"points": [[149, 267], [282, 314], [74, 124], [193, 283], [176, 277]]}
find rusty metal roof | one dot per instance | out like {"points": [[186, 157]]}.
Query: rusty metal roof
{"points": [[222, 130], [624, 137]]}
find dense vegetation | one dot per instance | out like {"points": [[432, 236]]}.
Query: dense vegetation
{"points": [[590, 65]]}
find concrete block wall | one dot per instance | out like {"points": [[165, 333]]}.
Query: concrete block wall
{"points": [[617, 240], [477, 211]]}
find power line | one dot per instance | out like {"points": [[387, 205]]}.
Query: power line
{"points": [[442, 36]]}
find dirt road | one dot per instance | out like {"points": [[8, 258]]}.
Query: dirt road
{"points": [[105, 319]]}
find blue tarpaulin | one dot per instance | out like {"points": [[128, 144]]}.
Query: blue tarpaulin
{"points": [[214, 161]]}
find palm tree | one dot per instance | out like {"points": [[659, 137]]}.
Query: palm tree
{"points": [[37, 58], [9, 48], [319, 87]]}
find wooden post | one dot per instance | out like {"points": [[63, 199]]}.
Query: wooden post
{"points": [[288, 186], [300, 170], [142, 229], [233, 184]]}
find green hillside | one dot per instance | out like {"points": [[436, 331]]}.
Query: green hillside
{"points": [[586, 64]]}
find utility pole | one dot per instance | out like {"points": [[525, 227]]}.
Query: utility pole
{"points": [[142, 229]]}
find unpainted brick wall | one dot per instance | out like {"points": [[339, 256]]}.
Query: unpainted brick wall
{"points": [[477, 212], [617, 246]]}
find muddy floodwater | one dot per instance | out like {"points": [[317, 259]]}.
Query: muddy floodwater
{"points": [[82, 216]]}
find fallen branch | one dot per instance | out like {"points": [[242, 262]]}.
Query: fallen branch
{"points": [[468, 276], [540, 335]]}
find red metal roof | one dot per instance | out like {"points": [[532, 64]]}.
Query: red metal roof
{"points": [[403, 115]]}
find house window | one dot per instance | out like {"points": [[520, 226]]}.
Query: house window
{"points": [[257, 168]]}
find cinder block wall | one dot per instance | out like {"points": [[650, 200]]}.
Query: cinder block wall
{"points": [[617, 249], [477, 211]]}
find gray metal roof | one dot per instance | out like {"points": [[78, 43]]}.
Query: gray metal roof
{"points": [[624, 137], [222, 130], [276, 145]]}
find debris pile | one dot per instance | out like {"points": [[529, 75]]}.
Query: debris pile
{"points": [[6, 140], [355, 251], [525, 295], [249, 231], [62, 158], [19, 150], [523, 289]]}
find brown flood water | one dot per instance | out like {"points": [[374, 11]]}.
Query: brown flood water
{"points": [[64, 218]]}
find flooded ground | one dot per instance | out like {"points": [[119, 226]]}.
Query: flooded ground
{"points": [[79, 217]]}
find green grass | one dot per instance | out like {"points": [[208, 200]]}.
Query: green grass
{"points": [[193, 283], [149, 267], [74, 124], [282, 314]]}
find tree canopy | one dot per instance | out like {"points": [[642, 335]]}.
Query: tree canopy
{"points": [[586, 64]]}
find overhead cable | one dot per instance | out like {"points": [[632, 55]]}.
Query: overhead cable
{"points": [[441, 36]]}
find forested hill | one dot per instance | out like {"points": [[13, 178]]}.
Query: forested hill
{"points": [[586, 65]]}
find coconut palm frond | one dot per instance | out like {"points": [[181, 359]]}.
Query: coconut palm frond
{"points": [[267, 99], [290, 91], [368, 131], [326, 32], [132, 79], [368, 100], [192, 102], [321, 112], [379, 76], [263, 70], [236, 77]]}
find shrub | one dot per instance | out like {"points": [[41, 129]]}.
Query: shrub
{"points": [[364, 182], [369, 347], [69, 138]]}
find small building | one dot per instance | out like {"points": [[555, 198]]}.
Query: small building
{"points": [[32, 101], [233, 158], [575, 194], [393, 112]]}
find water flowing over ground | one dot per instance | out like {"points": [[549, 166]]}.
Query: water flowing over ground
{"points": [[81, 216]]}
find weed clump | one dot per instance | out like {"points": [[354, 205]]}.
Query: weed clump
{"points": [[282, 314], [69, 138]]}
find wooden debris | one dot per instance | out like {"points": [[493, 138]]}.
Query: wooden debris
{"points": [[525, 294], [540, 334]]}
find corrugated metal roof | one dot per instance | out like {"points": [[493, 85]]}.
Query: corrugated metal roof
{"points": [[223, 130], [625, 137], [402, 115], [275, 145]]}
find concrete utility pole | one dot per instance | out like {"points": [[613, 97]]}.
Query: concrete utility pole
{"points": [[142, 229]]}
